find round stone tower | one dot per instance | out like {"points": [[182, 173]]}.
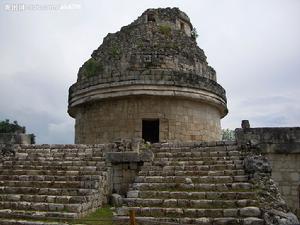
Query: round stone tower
{"points": [[150, 80]]}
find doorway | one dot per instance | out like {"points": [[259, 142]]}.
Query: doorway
{"points": [[150, 130]]}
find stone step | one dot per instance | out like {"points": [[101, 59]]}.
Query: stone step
{"points": [[210, 158], [30, 214], [189, 221], [191, 179], [59, 167], [196, 213], [193, 187], [194, 145], [194, 167], [60, 148], [48, 191], [51, 160], [26, 222], [53, 163], [203, 149], [56, 154], [42, 206], [50, 178], [189, 203], [64, 199], [196, 154], [51, 184], [193, 195], [191, 173], [50, 172], [194, 162]]}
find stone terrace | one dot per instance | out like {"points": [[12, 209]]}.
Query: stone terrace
{"points": [[59, 181], [190, 184]]}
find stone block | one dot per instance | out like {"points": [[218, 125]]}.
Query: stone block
{"points": [[250, 212]]}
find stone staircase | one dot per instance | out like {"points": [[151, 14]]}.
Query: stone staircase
{"points": [[51, 181], [202, 183]]}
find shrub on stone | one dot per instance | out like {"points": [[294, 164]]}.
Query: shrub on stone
{"points": [[92, 67]]}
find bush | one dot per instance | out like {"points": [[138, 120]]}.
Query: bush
{"points": [[194, 33], [92, 67]]}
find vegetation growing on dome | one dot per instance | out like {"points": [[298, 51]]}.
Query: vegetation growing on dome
{"points": [[115, 51], [165, 30], [194, 33], [92, 67]]}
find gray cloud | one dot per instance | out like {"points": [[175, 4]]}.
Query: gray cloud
{"points": [[254, 47]]}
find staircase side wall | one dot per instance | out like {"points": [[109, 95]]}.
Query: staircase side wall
{"points": [[282, 148]]}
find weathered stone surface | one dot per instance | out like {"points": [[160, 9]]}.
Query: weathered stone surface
{"points": [[116, 200], [253, 221], [257, 164], [159, 72], [275, 217], [250, 212], [281, 146], [52, 181], [177, 186]]}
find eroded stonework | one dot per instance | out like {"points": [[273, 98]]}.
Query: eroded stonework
{"points": [[151, 69]]}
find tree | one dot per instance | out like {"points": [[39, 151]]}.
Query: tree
{"points": [[228, 135], [7, 127]]}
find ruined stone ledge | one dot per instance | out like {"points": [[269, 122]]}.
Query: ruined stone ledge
{"points": [[121, 157], [150, 77], [282, 140]]}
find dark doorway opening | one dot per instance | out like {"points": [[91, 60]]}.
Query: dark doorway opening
{"points": [[150, 130]]}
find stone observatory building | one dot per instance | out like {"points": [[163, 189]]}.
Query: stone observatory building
{"points": [[150, 80]]}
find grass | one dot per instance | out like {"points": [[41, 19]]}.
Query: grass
{"points": [[102, 216]]}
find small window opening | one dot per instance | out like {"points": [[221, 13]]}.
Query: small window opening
{"points": [[150, 130], [182, 26], [150, 17]]}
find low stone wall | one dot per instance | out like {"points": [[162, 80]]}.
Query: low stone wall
{"points": [[282, 147]]}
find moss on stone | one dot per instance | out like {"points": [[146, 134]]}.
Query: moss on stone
{"points": [[165, 30], [92, 67]]}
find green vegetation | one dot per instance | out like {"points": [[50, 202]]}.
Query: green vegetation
{"points": [[228, 135], [7, 127], [102, 216], [194, 33], [92, 67], [165, 30], [115, 51]]}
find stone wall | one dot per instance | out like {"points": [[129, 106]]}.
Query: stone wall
{"points": [[180, 119], [282, 147], [286, 173]]}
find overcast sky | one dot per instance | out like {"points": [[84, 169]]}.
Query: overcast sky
{"points": [[253, 45]]}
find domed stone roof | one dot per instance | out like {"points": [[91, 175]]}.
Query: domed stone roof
{"points": [[158, 49]]}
